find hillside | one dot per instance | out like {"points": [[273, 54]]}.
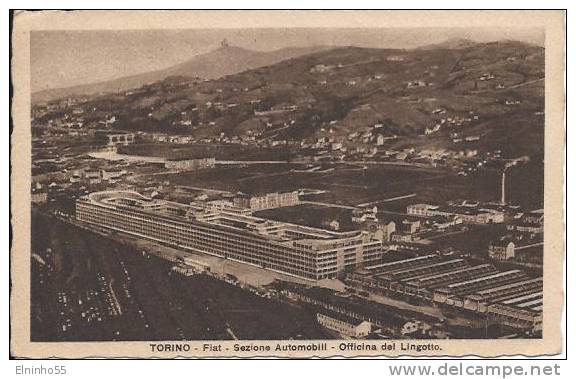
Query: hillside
{"points": [[485, 96], [450, 44], [225, 60]]}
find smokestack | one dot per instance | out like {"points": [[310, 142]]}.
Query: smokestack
{"points": [[503, 198], [506, 167]]}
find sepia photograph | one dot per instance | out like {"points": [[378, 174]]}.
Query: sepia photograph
{"points": [[230, 188]]}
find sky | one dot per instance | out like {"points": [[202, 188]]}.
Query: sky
{"points": [[67, 58]]}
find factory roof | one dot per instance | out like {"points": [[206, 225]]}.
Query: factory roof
{"points": [[196, 213], [456, 273], [483, 278]]}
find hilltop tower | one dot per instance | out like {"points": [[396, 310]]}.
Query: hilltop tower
{"points": [[224, 43]]}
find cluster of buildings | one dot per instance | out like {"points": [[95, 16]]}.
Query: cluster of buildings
{"points": [[38, 196], [267, 201], [344, 326], [245, 139], [190, 164], [373, 142], [369, 136], [115, 138], [468, 212], [523, 242], [72, 114], [292, 249], [530, 222], [480, 291], [89, 176]]}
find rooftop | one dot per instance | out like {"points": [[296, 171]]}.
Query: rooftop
{"points": [[200, 212]]}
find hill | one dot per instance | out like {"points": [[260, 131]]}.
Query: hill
{"points": [[451, 44], [225, 60], [486, 96]]}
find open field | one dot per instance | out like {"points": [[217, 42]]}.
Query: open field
{"points": [[219, 151], [311, 215], [345, 185], [351, 185]]}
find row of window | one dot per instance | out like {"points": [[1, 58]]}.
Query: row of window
{"points": [[218, 242]]}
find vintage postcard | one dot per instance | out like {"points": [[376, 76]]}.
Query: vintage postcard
{"points": [[287, 183]]}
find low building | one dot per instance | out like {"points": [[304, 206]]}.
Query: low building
{"points": [[115, 138], [196, 264], [403, 237], [92, 176], [502, 250], [512, 298], [532, 222], [216, 206], [532, 254], [410, 226], [334, 225], [345, 326], [517, 247], [415, 327], [112, 174], [39, 197], [94, 180], [363, 215], [381, 230], [468, 214], [190, 164], [267, 201]]}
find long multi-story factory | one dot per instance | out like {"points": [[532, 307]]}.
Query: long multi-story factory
{"points": [[510, 298], [297, 250]]}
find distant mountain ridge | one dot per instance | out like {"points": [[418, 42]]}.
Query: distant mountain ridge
{"points": [[465, 43], [477, 98], [451, 44], [223, 61], [226, 60]]}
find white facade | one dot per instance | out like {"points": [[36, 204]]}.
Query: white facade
{"points": [[346, 328]]}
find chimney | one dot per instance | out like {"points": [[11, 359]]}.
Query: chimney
{"points": [[503, 198]]}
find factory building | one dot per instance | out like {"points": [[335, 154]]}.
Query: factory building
{"points": [[296, 250], [502, 250], [531, 222], [345, 326], [467, 213], [267, 201], [510, 298], [115, 138], [39, 197]]}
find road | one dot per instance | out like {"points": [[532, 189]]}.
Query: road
{"points": [[443, 235], [525, 83], [387, 200], [329, 204], [261, 176], [205, 189], [136, 176], [353, 163], [528, 246], [250, 162], [510, 87]]}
